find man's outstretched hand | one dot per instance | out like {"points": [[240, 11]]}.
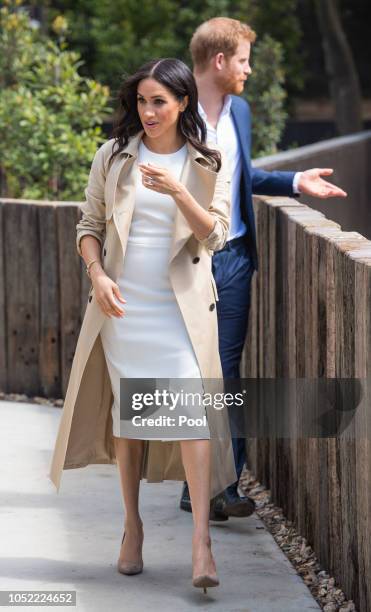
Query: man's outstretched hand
{"points": [[312, 184]]}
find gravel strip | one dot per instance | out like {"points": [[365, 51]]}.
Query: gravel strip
{"points": [[322, 586], [20, 397]]}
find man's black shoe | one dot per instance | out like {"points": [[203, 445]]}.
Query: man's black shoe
{"points": [[222, 506], [216, 514], [229, 504], [185, 500], [186, 504]]}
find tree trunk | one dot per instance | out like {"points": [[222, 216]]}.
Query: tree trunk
{"points": [[340, 67]]}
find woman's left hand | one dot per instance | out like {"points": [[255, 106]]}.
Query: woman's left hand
{"points": [[159, 179]]}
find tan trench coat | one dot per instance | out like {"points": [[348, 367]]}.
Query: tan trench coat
{"points": [[85, 430]]}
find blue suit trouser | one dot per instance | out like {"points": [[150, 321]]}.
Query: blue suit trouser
{"points": [[233, 270]]}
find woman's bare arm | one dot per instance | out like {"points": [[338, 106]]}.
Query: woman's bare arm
{"points": [[106, 290]]}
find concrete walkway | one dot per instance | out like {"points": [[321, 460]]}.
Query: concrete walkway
{"points": [[71, 540]]}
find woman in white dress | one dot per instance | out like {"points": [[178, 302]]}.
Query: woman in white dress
{"points": [[153, 341], [144, 334]]}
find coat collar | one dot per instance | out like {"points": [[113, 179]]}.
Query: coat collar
{"points": [[133, 145], [130, 152]]}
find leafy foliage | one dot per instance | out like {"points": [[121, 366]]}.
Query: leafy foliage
{"points": [[50, 116], [117, 37], [266, 94], [279, 19]]}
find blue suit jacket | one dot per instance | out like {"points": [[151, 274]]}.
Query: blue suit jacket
{"points": [[255, 181]]}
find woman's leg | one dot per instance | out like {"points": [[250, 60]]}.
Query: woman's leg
{"points": [[196, 457], [129, 455]]}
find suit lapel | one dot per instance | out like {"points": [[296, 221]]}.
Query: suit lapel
{"points": [[241, 130]]}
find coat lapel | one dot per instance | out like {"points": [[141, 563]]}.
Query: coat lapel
{"points": [[126, 157], [120, 195], [200, 182]]}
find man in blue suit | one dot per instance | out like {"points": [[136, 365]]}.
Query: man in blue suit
{"points": [[220, 50]]}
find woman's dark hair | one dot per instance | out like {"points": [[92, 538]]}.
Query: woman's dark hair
{"points": [[179, 80]]}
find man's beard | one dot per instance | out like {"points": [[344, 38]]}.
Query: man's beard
{"points": [[230, 84]]}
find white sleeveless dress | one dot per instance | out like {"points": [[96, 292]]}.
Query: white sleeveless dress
{"points": [[151, 339]]}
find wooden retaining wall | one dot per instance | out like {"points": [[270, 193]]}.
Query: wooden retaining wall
{"points": [[311, 318], [43, 293]]}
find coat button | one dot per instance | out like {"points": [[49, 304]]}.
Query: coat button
{"points": [[90, 298], [212, 306], [195, 260]]}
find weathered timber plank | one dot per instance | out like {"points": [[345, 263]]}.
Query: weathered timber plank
{"points": [[69, 289], [22, 279], [50, 337]]}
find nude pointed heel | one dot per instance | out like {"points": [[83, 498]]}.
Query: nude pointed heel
{"points": [[128, 567], [204, 581]]}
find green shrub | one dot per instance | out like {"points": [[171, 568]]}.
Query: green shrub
{"points": [[266, 95], [50, 116]]}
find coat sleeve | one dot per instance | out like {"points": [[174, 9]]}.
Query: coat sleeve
{"points": [[93, 221], [220, 208]]}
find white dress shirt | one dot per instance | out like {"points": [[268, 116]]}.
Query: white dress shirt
{"points": [[226, 137]]}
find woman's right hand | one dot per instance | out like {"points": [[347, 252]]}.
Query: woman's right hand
{"points": [[106, 290]]}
